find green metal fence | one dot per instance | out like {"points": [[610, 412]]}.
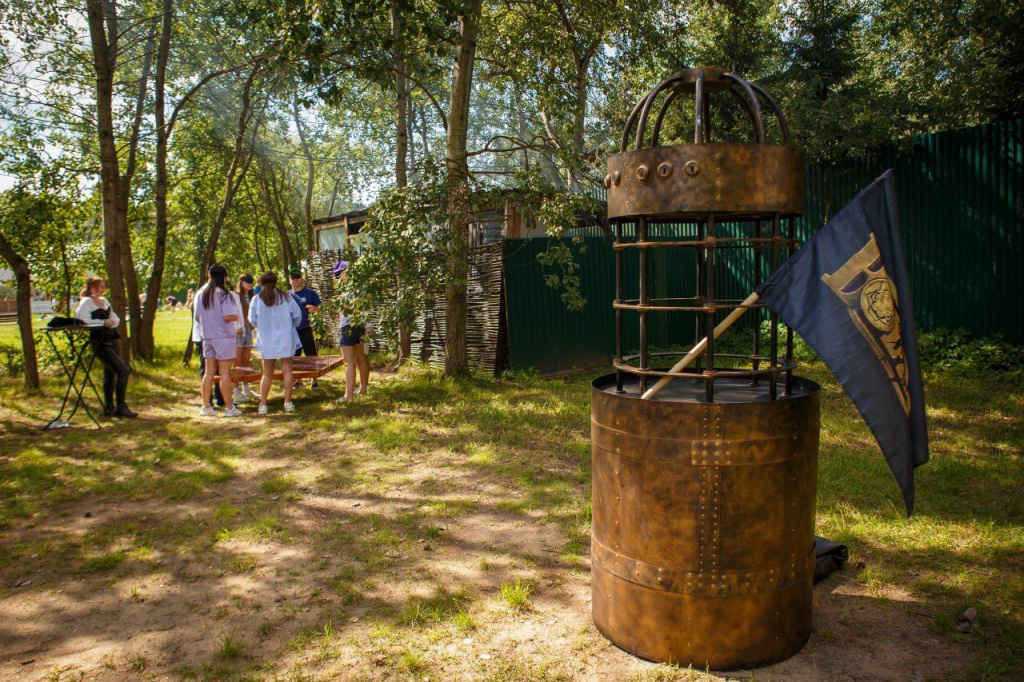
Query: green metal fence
{"points": [[961, 200]]}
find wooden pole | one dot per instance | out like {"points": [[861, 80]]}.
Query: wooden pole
{"points": [[700, 347]]}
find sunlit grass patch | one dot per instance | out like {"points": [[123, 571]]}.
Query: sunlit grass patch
{"points": [[104, 562], [517, 594], [449, 508], [277, 483], [267, 528], [444, 605]]}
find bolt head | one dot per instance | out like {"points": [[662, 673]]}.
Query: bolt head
{"points": [[664, 170], [642, 172], [692, 168]]}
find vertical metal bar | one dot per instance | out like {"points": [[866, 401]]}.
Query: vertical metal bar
{"points": [[699, 96], [789, 330], [699, 295], [757, 311], [773, 387], [618, 299], [709, 266], [642, 238], [707, 119]]}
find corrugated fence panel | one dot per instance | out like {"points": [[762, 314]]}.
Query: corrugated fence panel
{"points": [[961, 203]]}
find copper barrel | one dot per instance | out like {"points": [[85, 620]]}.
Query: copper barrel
{"points": [[703, 521]]}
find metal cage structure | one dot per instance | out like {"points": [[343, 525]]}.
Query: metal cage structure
{"points": [[704, 484], [707, 183]]}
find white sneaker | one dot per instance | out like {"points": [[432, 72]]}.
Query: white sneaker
{"points": [[233, 412], [262, 409], [289, 407], [205, 411], [246, 392], [236, 395]]}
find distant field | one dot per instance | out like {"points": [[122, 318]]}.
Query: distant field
{"points": [[168, 324]]}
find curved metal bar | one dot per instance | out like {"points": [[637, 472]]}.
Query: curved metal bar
{"points": [[776, 110], [646, 111], [758, 121], [630, 120], [700, 95], [746, 107], [661, 116]]}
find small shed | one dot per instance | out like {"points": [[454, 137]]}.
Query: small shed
{"points": [[337, 232]]}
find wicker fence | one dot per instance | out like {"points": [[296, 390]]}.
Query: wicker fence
{"points": [[486, 335]]}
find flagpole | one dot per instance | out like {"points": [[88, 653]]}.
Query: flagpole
{"points": [[702, 345]]}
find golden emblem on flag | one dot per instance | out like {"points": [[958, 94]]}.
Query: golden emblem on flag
{"points": [[870, 297]]}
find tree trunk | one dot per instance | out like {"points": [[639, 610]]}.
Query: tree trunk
{"points": [[424, 132], [65, 306], [287, 253], [579, 119], [124, 193], [103, 38], [24, 298], [310, 171], [459, 210], [236, 173], [401, 155], [147, 341]]}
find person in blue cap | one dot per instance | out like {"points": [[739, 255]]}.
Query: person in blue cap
{"points": [[309, 302]]}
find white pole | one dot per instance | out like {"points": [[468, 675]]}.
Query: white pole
{"points": [[700, 347]]}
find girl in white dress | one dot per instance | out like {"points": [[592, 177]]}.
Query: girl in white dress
{"points": [[275, 315]]}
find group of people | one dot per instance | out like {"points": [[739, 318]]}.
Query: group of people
{"points": [[229, 324]]}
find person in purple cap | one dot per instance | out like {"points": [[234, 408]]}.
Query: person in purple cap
{"points": [[351, 342]]}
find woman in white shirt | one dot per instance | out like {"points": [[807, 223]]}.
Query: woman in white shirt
{"points": [[275, 315], [95, 311]]}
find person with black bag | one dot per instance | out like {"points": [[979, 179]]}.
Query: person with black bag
{"points": [[95, 311]]}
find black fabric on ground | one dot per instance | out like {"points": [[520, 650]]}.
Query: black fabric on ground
{"points": [[829, 557]]}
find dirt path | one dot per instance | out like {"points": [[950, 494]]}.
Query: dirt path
{"points": [[393, 539], [297, 609]]}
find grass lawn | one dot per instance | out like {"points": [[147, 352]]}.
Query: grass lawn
{"points": [[440, 529]]}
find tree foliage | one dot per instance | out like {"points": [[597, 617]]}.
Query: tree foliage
{"points": [[238, 123]]}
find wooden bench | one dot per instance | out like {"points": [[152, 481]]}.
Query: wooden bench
{"points": [[302, 368]]}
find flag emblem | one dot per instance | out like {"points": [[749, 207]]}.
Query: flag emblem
{"points": [[863, 285]]}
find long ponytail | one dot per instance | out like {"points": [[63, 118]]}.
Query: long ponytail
{"points": [[269, 293], [218, 280], [243, 295]]}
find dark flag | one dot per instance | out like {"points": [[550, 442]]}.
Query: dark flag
{"points": [[846, 292]]}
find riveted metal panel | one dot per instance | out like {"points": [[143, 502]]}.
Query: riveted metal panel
{"points": [[704, 515]]}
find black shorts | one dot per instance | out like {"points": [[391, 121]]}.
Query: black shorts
{"points": [[308, 343], [351, 336]]}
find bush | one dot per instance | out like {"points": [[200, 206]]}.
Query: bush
{"points": [[12, 361], [959, 352], [943, 350]]}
